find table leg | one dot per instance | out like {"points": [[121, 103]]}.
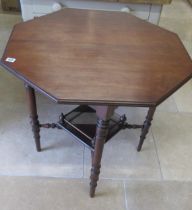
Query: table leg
{"points": [[146, 126], [103, 114], [33, 115]]}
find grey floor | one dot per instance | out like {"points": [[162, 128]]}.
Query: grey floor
{"points": [[157, 178]]}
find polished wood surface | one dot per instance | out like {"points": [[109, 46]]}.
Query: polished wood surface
{"points": [[97, 57]]}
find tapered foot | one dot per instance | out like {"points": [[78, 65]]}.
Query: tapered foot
{"points": [[146, 126], [95, 171], [92, 193], [36, 132]]}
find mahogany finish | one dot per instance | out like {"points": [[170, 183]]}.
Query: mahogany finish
{"points": [[105, 59], [97, 57]]}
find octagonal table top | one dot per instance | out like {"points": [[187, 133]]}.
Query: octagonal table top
{"points": [[97, 57]]}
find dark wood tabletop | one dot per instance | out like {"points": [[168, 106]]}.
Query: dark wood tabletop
{"points": [[97, 57]]}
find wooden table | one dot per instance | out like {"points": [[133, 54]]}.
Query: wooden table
{"points": [[98, 60]]}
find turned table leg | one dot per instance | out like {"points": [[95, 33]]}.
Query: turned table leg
{"points": [[146, 126], [33, 115], [103, 114]]}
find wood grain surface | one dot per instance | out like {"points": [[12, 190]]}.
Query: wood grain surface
{"points": [[97, 57]]}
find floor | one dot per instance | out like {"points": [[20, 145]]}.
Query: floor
{"points": [[157, 178]]}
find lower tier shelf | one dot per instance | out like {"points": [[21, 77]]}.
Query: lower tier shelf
{"points": [[81, 123]]}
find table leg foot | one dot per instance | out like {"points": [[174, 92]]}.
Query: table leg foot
{"points": [[101, 134], [146, 126], [95, 171], [36, 131], [33, 116]]}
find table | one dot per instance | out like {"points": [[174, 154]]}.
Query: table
{"points": [[98, 60]]}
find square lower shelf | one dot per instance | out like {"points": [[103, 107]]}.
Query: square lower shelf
{"points": [[81, 123]]}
